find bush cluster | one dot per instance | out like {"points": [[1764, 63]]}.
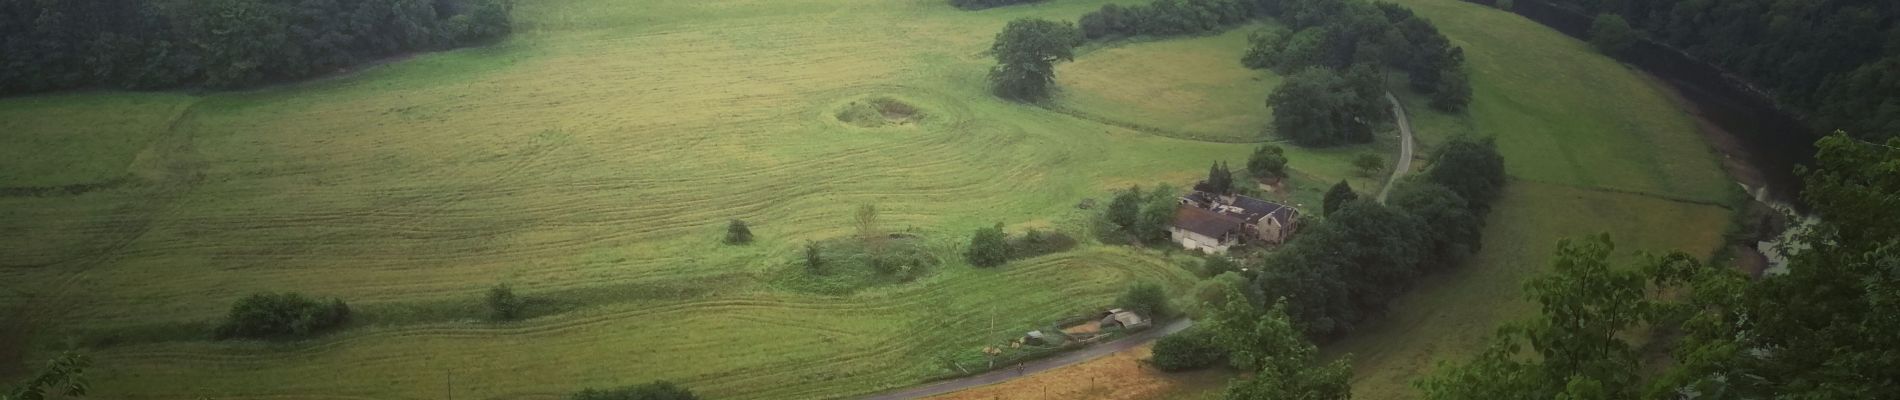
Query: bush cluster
{"points": [[1348, 266], [1187, 350], [982, 4], [991, 246], [277, 315]]}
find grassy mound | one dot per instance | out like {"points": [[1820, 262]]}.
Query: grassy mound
{"points": [[879, 112], [848, 265]]}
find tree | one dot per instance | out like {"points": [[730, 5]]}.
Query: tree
{"points": [[1147, 299], [814, 262], [1452, 93], [1611, 34], [1220, 180], [989, 247], [1026, 52], [656, 390], [1456, 230], [869, 230], [503, 305], [1368, 164], [1584, 304], [1268, 163], [1126, 206], [1286, 365], [1186, 350], [1318, 107], [65, 374], [738, 233], [1470, 167], [1338, 196], [1157, 214]]}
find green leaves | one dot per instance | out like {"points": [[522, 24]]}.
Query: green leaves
{"points": [[1026, 52]]}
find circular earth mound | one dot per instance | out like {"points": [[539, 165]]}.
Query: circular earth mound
{"points": [[879, 112]]}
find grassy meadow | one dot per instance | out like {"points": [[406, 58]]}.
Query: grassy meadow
{"points": [[593, 159]]}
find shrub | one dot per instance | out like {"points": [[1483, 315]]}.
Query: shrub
{"points": [[814, 262], [1036, 243], [1124, 209], [1611, 34], [503, 305], [738, 233], [1187, 350], [272, 315], [988, 247], [1147, 299], [656, 390]]}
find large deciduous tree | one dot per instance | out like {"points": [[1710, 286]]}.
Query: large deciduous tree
{"points": [[1318, 107], [1026, 52], [1267, 163], [1470, 167]]}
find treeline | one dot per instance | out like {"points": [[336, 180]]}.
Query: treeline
{"points": [[982, 4], [64, 44], [1339, 35], [1345, 268], [1838, 60], [1167, 17]]}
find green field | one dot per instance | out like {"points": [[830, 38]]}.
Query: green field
{"points": [[593, 159]]}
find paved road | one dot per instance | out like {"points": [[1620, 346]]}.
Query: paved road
{"points": [[1404, 163], [1006, 373]]}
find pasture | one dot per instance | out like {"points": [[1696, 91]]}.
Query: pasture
{"points": [[593, 159]]}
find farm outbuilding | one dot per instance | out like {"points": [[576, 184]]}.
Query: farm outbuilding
{"points": [[1119, 318]]}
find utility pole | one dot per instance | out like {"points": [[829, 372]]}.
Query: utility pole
{"points": [[451, 374]]}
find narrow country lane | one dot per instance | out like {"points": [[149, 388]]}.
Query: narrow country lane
{"points": [[1404, 163], [1032, 367]]}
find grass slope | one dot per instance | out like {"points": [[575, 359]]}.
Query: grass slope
{"points": [[1192, 88], [1591, 149]]}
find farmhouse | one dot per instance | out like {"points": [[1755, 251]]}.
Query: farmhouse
{"points": [[1213, 223]]}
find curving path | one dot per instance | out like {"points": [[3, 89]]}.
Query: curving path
{"points": [[1404, 163], [1005, 374]]}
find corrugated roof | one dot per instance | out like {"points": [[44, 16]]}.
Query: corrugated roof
{"points": [[1205, 222]]}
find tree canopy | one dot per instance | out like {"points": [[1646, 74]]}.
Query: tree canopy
{"points": [[68, 44], [1268, 162], [1320, 107], [1470, 167], [1026, 52]]}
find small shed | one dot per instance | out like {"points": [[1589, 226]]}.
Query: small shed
{"points": [[1119, 318], [1034, 338]]}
